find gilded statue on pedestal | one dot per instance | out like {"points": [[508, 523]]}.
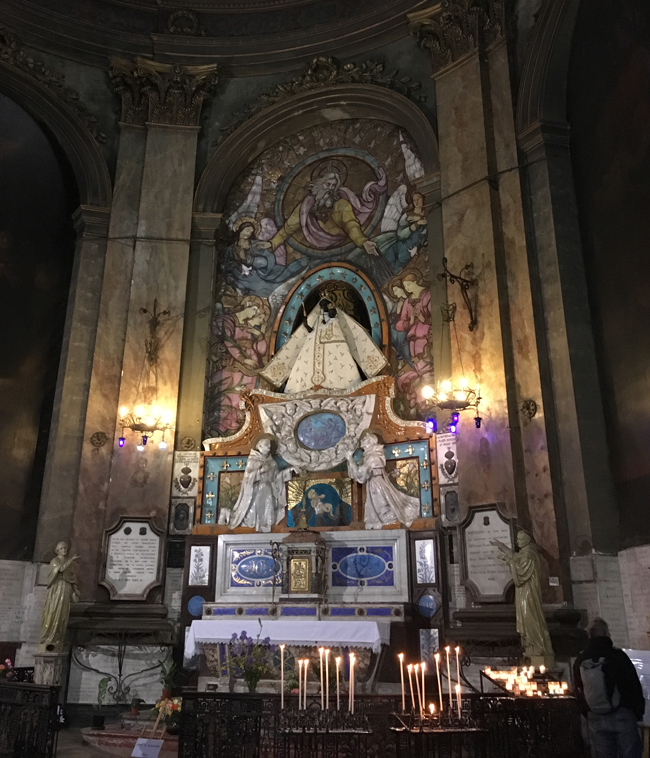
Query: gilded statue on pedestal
{"points": [[61, 593], [525, 568]]}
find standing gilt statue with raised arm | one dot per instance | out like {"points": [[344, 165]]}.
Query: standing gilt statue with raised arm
{"points": [[525, 568]]}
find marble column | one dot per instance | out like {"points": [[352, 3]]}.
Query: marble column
{"points": [[70, 402], [506, 460], [196, 336], [138, 357]]}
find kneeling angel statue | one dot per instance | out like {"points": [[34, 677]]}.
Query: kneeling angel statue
{"points": [[384, 503], [262, 499]]}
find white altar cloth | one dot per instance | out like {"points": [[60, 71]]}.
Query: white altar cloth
{"points": [[372, 634]]}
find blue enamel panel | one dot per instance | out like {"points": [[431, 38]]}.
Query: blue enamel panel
{"points": [[379, 611], [253, 568], [427, 606], [195, 605], [257, 611], [342, 611], [363, 566], [320, 431], [224, 611], [298, 611]]}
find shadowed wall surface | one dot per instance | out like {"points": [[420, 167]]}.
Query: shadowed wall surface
{"points": [[609, 111], [36, 252]]}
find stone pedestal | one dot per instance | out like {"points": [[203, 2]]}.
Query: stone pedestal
{"points": [[50, 669]]}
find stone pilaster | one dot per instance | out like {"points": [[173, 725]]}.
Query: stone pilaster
{"points": [[198, 312], [482, 220], [147, 270], [66, 433]]}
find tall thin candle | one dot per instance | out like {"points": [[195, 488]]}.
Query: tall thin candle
{"points": [[451, 699], [327, 679], [299, 684], [338, 691], [282, 677], [321, 650], [458, 698], [457, 664], [416, 675], [409, 668], [423, 667], [353, 659], [437, 657], [305, 700], [401, 673]]}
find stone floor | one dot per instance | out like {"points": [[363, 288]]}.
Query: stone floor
{"points": [[71, 746]]}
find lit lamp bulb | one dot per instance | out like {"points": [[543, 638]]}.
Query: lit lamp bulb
{"points": [[463, 383], [162, 445], [140, 448], [139, 410], [446, 386], [427, 392], [167, 417], [123, 411]]}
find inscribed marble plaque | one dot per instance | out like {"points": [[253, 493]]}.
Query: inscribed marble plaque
{"points": [[132, 560], [447, 458], [486, 574], [12, 575]]}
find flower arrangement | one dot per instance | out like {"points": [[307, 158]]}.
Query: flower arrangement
{"points": [[169, 709], [251, 659], [6, 669]]}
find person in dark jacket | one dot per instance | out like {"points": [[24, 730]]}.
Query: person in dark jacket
{"points": [[614, 734]]}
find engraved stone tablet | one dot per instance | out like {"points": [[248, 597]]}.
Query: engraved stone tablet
{"points": [[483, 572], [133, 553]]}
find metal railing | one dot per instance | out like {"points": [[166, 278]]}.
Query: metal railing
{"points": [[28, 720], [252, 726]]}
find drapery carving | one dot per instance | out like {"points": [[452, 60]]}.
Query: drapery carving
{"points": [[162, 93]]}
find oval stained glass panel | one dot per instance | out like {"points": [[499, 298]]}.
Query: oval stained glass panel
{"points": [[320, 431], [362, 566]]}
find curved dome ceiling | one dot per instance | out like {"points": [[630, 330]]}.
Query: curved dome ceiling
{"points": [[248, 36]]}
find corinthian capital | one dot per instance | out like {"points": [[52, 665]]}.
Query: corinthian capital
{"points": [[452, 29], [162, 93]]}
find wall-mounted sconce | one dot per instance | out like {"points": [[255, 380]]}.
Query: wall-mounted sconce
{"points": [[145, 421], [454, 397]]}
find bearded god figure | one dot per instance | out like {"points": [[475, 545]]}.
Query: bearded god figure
{"points": [[331, 214]]}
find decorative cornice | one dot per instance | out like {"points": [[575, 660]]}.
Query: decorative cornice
{"points": [[162, 93], [11, 54], [453, 29], [325, 71]]}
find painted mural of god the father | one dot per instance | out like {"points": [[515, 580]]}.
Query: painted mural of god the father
{"points": [[332, 214]]}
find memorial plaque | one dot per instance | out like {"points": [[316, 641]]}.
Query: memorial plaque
{"points": [[483, 572], [133, 558]]}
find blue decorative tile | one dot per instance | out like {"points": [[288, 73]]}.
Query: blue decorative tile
{"points": [[224, 611], [342, 611], [257, 611], [298, 611], [195, 605], [363, 566], [378, 611]]}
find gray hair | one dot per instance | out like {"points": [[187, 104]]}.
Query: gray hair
{"points": [[598, 628]]}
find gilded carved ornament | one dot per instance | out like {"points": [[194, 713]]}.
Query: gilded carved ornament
{"points": [[162, 93], [12, 54], [453, 29]]}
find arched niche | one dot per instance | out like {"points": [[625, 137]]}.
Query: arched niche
{"points": [[318, 279], [83, 153], [301, 111]]}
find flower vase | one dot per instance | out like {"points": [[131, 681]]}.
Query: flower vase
{"points": [[251, 683]]}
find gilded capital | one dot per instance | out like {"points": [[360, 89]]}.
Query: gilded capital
{"points": [[453, 29], [162, 93]]}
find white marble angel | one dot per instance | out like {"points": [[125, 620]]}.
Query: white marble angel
{"points": [[325, 352], [262, 499], [384, 503]]}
